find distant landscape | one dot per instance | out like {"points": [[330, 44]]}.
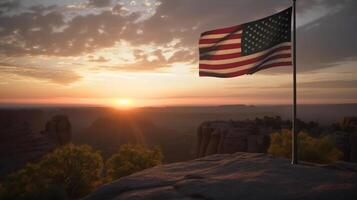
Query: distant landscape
{"points": [[173, 128], [174, 133]]}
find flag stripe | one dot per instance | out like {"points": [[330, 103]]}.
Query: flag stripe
{"points": [[228, 75], [246, 48], [220, 57], [242, 72], [229, 41], [217, 40], [278, 58], [223, 30], [220, 47], [215, 36], [246, 62], [217, 64], [222, 52]]}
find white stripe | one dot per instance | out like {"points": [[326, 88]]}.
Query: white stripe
{"points": [[242, 58], [217, 36], [244, 67], [231, 41], [223, 52]]}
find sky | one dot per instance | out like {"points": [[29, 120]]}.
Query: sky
{"points": [[145, 53]]}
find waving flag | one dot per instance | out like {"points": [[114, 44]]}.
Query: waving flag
{"points": [[246, 48]]}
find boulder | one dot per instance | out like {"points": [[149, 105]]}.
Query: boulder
{"points": [[234, 176]]}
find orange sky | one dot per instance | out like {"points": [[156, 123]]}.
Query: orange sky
{"points": [[145, 51]]}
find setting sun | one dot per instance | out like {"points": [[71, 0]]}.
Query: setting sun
{"points": [[124, 103]]}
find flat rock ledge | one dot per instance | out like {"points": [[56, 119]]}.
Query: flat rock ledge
{"points": [[235, 176]]}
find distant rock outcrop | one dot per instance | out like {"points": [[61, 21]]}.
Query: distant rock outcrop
{"points": [[344, 136], [59, 129], [228, 137], [234, 176], [19, 144]]}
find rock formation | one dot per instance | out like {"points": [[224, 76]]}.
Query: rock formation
{"points": [[19, 144], [350, 122], [234, 176], [59, 129], [226, 137], [253, 135]]}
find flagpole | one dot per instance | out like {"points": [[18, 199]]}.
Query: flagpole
{"points": [[294, 156]]}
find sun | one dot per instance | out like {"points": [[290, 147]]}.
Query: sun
{"points": [[124, 103]]}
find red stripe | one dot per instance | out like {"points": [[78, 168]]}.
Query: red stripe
{"points": [[279, 64], [249, 61], [227, 75], [223, 30], [219, 47], [220, 57], [243, 72], [279, 56], [216, 40]]}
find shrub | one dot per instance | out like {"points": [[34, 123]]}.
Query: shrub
{"points": [[319, 150], [70, 171], [130, 159], [29, 184]]}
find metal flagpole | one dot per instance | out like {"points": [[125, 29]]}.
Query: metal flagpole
{"points": [[294, 156]]}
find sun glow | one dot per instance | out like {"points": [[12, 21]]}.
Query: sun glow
{"points": [[124, 103]]}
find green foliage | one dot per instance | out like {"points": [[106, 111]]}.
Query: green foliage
{"points": [[29, 183], [130, 159], [70, 171], [318, 150], [73, 171]]}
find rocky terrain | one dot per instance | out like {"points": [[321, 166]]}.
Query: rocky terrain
{"points": [[235, 176], [254, 135], [21, 143], [229, 137]]}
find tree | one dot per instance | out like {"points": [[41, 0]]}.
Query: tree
{"points": [[319, 150], [130, 159], [70, 171]]}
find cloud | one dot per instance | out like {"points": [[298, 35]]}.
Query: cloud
{"points": [[183, 56], [99, 3], [333, 84], [8, 5], [144, 61], [329, 40], [98, 59], [324, 41], [329, 84], [58, 76], [38, 33]]}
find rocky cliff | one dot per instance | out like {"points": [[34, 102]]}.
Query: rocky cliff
{"points": [[229, 137], [19, 144], [58, 129], [235, 176], [253, 136]]}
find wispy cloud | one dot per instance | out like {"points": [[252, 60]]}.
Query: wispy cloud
{"points": [[54, 75]]}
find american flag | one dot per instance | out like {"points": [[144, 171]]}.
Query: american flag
{"points": [[246, 48]]}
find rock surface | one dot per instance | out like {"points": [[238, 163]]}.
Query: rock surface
{"points": [[234, 176], [228, 137]]}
